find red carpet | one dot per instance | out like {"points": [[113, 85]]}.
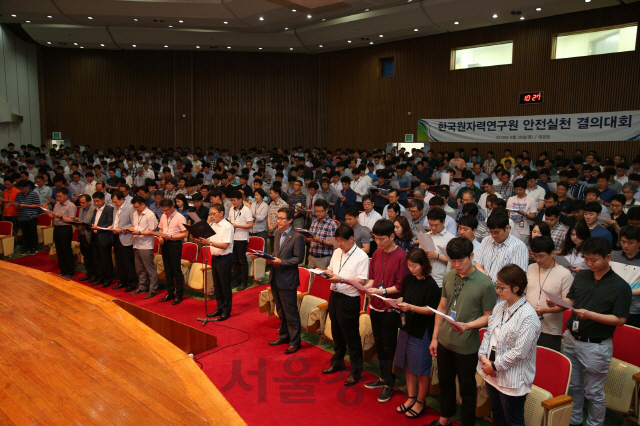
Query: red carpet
{"points": [[265, 386]]}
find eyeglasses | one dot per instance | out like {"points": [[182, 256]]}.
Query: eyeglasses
{"points": [[496, 233], [500, 289]]}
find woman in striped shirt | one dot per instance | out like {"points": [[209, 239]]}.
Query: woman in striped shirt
{"points": [[507, 355]]}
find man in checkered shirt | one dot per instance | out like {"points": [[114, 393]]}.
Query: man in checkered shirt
{"points": [[324, 227]]}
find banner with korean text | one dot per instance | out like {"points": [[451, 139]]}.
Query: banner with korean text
{"points": [[602, 126]]}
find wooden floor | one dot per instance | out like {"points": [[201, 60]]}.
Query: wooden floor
{"points": [[70, 355]]}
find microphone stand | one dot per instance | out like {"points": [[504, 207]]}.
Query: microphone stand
{"points": [[206, 318]]}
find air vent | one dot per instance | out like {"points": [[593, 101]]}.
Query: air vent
{"points": [[158, 21]]}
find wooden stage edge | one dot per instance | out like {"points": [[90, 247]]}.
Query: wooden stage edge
{"points": [[70, 354]]}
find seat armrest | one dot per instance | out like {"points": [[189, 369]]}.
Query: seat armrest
{"points": [[268, 288], [636, 377], [187, 264], [556, 402], [46, 227], [301, 295], [362, 312], [207, 268], [5, 236], [323, 306]]}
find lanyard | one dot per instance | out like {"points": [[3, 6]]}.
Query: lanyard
{"points": [[458, 290], [543, 282], [510, 316], [236, 214], [345, 262]]}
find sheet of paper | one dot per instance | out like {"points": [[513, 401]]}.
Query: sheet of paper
{"points": [[448, 318], [444, 179], [316, 271], [426, 242], [356, 284], [395, 184], [562, 261], [407, 214], [443, 250], [333, 241], [558, 300], [338, 193], [383, 191], [160, 234], [390, 302], [423, 228], [553, 187], [194, 216]]}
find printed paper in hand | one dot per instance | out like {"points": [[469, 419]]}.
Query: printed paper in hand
{"points": [[407, 214], [160, 234], [333, 241], [426, 242], [423, 228], [562, 261], [390, 302], [320, 272], [338, 193], [305, 233], [448, 318], [395, 184], [356, 284], [194, 217], [444, 179], [553, 187], [383, 191], [559, 301]]}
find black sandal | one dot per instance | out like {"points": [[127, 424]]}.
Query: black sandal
{"points": [[402, 409], [411, 413]]}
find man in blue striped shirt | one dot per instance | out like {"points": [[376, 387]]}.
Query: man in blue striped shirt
{"points": [[29, 206]]}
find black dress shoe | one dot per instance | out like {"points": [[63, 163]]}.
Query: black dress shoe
{"points": [[95, 282], [352, 379], [278, 341], [333, 368], [137, 292], [130, 288], [85, 278], [223, 317], [106, 284], [177, 300], [292, 349], [119, 286], [215, 313], [167, 297], [150, 295], [242, 287]]}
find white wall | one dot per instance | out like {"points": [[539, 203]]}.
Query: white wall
{"points": [[19, 88]]}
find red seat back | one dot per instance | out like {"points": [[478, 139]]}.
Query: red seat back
{"points": [[305, 276], [75, 234], [565, 317], [78, 212], [256, 243], [44, 220], [481, 333], [189, 252], [156, 245], [320, 287], [553, 371], [6, 228], [201, 256], [624, 341]]}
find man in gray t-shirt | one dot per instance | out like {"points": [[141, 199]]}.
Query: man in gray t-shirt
{"points": [[361, 235], [626, 263]]}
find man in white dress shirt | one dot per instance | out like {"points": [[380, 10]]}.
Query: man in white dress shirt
{"points": [[241, 219], [439, 261]]}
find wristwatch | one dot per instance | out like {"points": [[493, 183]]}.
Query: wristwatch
{"points": [[341, 280], [384, 292]]}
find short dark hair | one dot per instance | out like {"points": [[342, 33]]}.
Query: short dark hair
{"points": [[383, 228], [137, 199], [166, 202], [459, 248], [542, 244], [117, 194], [344, 231], [437, 214], [419, 204], [197, 197], [419, 256], [513, 276], [97, 195], [469, 221], [288, 211], [436, 201], [352, 211], [498, 220], [593, 206], [630, 232], [235, 194], [552, 211], [597, 245]]}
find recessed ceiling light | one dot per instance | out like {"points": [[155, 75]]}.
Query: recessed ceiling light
{"points": [[291, 48], [81, 47], [225, 22], [370, 42], [170, 26], [133, 45], [309, 16], [415, 29], [48, 42], [101, 44], [14, 16], [348, 41], [495, 15], [293, 10], [228, 47], [75, 44], [166, 45], [366, 10], [538, 9], [456, 23], [587, 1], [28, 22], [197, 47], [135, 19], [286, 29], [381, 36], [261, 18], [320, 45], [89, 17], [259, 48], [324, 19], [49, 16], [182, 22], [522, 18]]}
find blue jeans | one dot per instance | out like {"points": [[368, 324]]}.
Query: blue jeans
{"points": [[507, 410]]}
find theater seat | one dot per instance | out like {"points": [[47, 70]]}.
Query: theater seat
{"points": [[189, 255], [75, 247], [45, 230], [265, 300], [623, 380], [257, 266], [7, 240], [314, 306], [197, 270]]}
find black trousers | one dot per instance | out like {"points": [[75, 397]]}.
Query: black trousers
{"points": [[171, 255], [450, 365], [29, 234], [344, 312], [240, 264], [221, 271], [125, 261], [62, 236], [385, 332], [87, 254], [102, 259], [287, 308], [551, 341]]}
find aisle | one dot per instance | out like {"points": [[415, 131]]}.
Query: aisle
{"points": [[265, 386]]}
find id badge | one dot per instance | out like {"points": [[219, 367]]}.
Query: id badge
{"points": [[575, 326], [453, 315], [521, 224]]}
